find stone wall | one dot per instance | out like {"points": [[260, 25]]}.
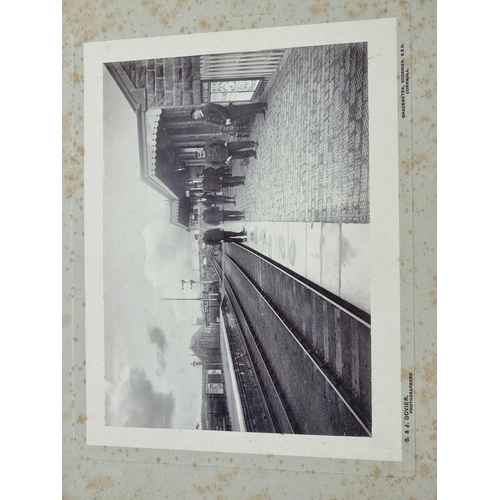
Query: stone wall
{"points": [[169, 83]]}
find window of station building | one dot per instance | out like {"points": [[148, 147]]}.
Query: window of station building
{"points": [[230, 90]]}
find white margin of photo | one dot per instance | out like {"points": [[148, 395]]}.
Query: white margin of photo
{"points": [[383, 76]]}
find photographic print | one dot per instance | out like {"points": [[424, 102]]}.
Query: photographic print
{"points": [[240, 276]]}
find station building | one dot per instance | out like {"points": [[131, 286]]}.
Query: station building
{"points": [[162, 92]]}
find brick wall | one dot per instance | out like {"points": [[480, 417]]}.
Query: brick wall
{"points": [[169, 83]]}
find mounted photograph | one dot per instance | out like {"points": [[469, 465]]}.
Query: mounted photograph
{"points": [[242, 241]]}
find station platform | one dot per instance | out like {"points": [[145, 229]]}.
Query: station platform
{"points": [[335, 256]]}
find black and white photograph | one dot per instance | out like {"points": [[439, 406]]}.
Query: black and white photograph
{"points": [[237, 241]]}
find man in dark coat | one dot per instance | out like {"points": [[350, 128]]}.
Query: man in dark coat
{"points": [[218, 183], [219, 153], [214, 199], [217, 236], [215, 215], [225, 115], [217, 172]]}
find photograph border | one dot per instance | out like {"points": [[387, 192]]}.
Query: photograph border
{"points": [[386, 443]]}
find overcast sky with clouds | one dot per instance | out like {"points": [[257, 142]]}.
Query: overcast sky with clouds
{"points": [[149, 380]]}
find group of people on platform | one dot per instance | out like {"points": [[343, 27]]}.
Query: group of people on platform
{"points": [[218, 154]]}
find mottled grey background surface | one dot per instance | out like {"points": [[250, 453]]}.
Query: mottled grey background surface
{"points": [[127, 473]]}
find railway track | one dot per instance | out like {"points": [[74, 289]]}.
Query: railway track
{"points": [[270, 416], [310, 348]]}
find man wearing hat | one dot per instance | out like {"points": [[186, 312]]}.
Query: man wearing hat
{"points": [[218, 236], [219, 153], [225, 115]]}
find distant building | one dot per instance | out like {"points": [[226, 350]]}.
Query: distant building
{"points": [[205, 344]]}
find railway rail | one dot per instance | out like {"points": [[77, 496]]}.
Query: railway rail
{"points": [[266, 420], [311, 349]]}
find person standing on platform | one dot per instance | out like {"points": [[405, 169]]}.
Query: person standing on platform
{"points": [[226, 115], [218, 236], [219, 153], [216, 172], [216, 199], [233, 180], [215, 215], [214, 184], [220, 173]]}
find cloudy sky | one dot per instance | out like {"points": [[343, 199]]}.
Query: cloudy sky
{"points": [[149, 380]]}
